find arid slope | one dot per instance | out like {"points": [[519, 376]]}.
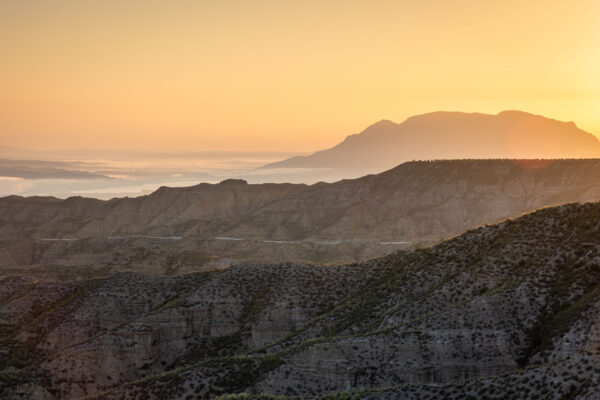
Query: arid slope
{"points": [[207, 227], [505, 311]]}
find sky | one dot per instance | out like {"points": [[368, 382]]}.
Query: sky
{"points": [[183, 75]]}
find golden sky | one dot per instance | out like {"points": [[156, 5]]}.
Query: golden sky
{"points": [[282, 75]]}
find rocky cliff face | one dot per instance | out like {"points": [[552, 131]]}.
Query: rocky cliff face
{"points": [[208, 227], [508, 310]]}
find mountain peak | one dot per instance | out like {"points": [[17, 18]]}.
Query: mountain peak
{"points": [[510, 134], [381, 124], [513, 112], [517, 114]]}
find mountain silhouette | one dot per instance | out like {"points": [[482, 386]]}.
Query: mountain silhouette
{"points": [[451, 135]]}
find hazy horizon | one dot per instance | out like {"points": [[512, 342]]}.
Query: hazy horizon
{"points": [[126, 96], [106, 174]]}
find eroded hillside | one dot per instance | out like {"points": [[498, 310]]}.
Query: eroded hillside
{"points": [[208, 227], [504, 311]]}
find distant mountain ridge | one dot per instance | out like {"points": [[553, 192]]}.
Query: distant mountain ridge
{"points": [[451, 135], [215, 225]]}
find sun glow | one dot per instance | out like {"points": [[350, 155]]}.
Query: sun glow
{"points": [[282, 74]]}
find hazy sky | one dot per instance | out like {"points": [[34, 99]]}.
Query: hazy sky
{"points": [[273, 75]]}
